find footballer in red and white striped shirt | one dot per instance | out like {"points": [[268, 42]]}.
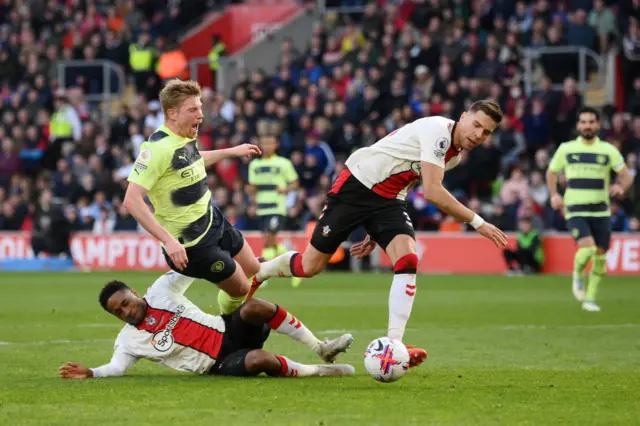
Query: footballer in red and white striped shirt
{"points": [[168, 329], [371, 191]]}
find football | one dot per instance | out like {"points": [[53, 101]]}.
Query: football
{"points": [[386, 360]]}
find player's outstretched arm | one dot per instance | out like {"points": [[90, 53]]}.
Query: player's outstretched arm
{"points": [[74, 370], [244, 150], [134, 203], [434, 192], [119, 364]]}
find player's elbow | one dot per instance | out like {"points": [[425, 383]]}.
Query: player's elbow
{"points": [[130, 202], [431, 191], [549, 174]]}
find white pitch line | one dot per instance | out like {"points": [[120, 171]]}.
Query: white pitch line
{"points": [[82, 325], [54, 342], [570, 327], [494, 327], [100, 325]]}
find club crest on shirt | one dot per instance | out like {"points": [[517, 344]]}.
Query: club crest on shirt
{"points": [[218, 266], [150, 320], [325, 231], [415, 167]]}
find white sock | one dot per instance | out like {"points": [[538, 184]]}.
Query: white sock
{"points": [[403, 290], [280, 266], [285, 323], [291, 368]]}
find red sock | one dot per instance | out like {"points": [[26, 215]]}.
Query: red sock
{"points": [[285, 323], [296, 266], [290, 368]]}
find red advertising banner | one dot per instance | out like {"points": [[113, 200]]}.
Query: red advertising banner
{"points": [[438, 253], [239, 26]]}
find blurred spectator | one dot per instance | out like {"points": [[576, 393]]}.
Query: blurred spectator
{"points": [[9, 161], [52, 226], [528, 257], [511, 143], [602, 19], [515, 189]]}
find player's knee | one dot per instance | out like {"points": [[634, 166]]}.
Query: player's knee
{"points": [[257, 311], [310, 265], [236, 285], [252, 268], [257, 361], [407, 264]]}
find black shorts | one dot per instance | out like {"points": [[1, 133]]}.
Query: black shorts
{"points": [[212, 258], [239, 339], [272, 223], [350, 204], [597, 227]]}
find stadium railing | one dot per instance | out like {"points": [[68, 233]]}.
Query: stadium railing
{"points": [[106, 81], [531, 55]]}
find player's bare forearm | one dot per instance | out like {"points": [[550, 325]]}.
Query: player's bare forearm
{"points": [[293, 186], [442, 199], [552, 182], [212, 157], [134, 203], [625, 179], [435, 193]]}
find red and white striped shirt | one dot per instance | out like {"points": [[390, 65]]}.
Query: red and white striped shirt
{"points": [[391, 166], [175, 332]]}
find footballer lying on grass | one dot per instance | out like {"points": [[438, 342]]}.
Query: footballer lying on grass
{"points": [[166, 328]]}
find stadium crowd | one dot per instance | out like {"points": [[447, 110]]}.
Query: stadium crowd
{"points": [[362, 76]]}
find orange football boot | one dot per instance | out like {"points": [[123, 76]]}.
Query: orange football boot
{"points": [[416, 355]]}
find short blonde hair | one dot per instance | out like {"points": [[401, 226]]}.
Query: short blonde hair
{"points": [[176, 91]]}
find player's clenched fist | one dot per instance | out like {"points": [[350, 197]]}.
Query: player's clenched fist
{"points": [[74, 370], [489, 231], [556, 201]]}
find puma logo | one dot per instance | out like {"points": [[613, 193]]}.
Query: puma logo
{"points": [[183, 157]]}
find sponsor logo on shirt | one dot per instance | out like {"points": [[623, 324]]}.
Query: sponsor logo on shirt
{"points": [[163, 340], [139, 167]]}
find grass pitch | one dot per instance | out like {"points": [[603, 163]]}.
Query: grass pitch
{"points": [[501, 351]]}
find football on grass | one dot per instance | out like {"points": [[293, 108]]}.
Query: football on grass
{"points": [[386, 360]]}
